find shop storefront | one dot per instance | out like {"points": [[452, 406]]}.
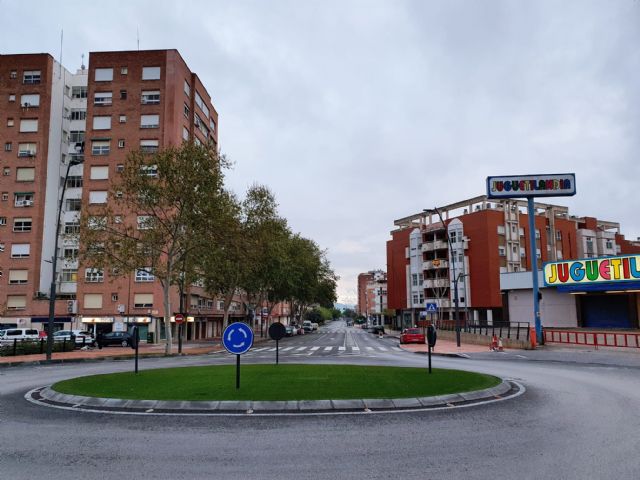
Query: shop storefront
{"points": [[606, 289], [98, 325]]}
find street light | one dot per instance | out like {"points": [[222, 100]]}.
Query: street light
{"points": [[74, 160], [453, 267]]}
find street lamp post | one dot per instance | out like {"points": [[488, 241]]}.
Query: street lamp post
{"points": [[453, 267], [77, 160]]}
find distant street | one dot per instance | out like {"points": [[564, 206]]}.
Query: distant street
{"points": [[577, 420]]}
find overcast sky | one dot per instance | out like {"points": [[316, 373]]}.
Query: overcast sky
{"points": [[356, 113]]}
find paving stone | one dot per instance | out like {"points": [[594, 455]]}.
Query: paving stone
{"points": [[378, 403], [406, 403], [306, 405], [94, 401]]}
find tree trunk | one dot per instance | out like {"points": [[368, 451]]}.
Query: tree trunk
{"points": [[167, 309]]}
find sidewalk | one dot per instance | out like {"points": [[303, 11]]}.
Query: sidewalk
{"points": [[443, 347]]}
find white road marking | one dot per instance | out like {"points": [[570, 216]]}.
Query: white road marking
{"points": [[271, 350], [355, 349], [287, 349], [342, 349], [369, 348], [300, 349], [328, 349], [261, 349], [313, 349], [521, 356], [384, 349]]}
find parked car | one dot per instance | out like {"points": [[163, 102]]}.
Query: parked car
{"points": [[20, 334], [307, 326], [115, 338], [289, 330], [82, 337], [411, 335], [315, 325]]}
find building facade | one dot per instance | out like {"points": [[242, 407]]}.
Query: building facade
{"points": [[87, 122], [479, 243]]}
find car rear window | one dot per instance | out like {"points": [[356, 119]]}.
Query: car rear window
{"points": [[413, 331]]}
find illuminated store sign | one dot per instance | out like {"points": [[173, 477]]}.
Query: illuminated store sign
{"points": [[592, 270], [519, 186]]}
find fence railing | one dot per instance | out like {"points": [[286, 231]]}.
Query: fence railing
{"points": [[515, 330], [593, 338]]}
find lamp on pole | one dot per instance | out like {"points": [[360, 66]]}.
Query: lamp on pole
{"points": [[452, 258], [75, 160]]}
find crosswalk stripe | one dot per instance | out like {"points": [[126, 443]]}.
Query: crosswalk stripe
{"points": [[369, 348], [287, 349], [261, 349], [313, 349], [328, 349], [384, 349], [301, 348], [342, 349], [355, 349], [272, 350], [397, 349]]}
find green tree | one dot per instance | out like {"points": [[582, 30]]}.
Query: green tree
{"points": [[160, 202]]}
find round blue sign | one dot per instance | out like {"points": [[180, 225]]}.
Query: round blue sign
{"points": [[237, 338]]}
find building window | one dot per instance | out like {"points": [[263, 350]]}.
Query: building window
{"points": [[3, 221], [186, 111], [97, 223], [150, 97], [99, 172], [6, 171], [97, 197], [23, 199], [71, 228], [102, 123], [76, 136], [185, 133], [143, 300], [28, 125], [149, 121], [13, 74], [537, 233], [104, 74], [103, 99], [523, 252], [10, 122], [16, 302], [78, 114], [150, 146], [502, 251], [22, 224], [187, 89], [150, 73], [414, 279], [70, 254], [144, 222], [5, 196], [25, 174], [114, 297], [119, 168], [69, 275], [144, 275], [73, 205], [123, 94], [100, 147], [30, 100], [202, 105], [415, 298], [92, 300], [7, 147], [123, 119], [31, 77], [93, 275], [20, 250], [212, 124], [12, 97], [78, 92], [609, 244], [74, 181], [121, 143]]}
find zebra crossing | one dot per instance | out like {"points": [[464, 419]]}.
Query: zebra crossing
{"points": [[322, 350]]}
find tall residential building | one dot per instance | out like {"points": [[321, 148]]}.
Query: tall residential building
{"points": [[123, 101], [479, 240], [372, 295]]}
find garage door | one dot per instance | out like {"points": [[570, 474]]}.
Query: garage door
{"points": [[605, 311]]}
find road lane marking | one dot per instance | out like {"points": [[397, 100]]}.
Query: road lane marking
{"points": [[313, 349], [355, 349], [300, 349], [287, 349], [342, 349], [328, 349]]}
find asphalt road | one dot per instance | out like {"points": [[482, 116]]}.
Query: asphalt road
{"points": [[577, 420]]}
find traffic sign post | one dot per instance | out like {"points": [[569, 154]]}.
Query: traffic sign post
{"points": [[431, 341], [136, 340], [277, 331], [179, 320], [237, 339]]}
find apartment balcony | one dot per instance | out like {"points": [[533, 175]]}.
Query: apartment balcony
{"points": [[67, 287], [437, 245], [436, 283], [436, 263]]}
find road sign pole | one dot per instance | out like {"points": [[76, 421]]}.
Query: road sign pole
{"points": [[533, 254], [429, 358], [237, 372], [277, 351]]}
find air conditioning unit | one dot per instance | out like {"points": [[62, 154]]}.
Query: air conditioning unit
{"points": [[19, 203], [28, 203], [25, 153]]}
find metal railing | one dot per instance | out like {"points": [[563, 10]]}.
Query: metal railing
{"points": [[511, 330], [27, 346], [593, 338]]}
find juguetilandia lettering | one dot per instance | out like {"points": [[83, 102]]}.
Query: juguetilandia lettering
{"points": [[596, 270], [557, 184]]}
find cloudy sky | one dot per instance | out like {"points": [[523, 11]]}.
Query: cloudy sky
{"points": [[357, 113]]}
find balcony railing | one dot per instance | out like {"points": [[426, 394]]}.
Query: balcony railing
{"points": [[436, 263], [436, 283]]}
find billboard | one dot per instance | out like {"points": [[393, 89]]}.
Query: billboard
{"points": [[592, 270], [519, 186]]}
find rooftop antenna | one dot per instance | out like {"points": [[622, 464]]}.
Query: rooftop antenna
{"points": [[82, 67]]}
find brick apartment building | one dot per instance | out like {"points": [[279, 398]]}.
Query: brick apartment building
{"points": [[372, 296], [490, 244], [50, 117]]}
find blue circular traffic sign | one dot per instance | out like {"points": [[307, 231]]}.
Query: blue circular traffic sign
{"points": [[237, 338]]}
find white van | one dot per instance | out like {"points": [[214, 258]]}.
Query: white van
{"points": [[20, 334]]}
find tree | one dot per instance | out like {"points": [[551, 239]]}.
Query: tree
{"points": [[160, 202]]}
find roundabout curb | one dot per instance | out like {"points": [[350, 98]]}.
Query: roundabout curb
{"points": [[45, 396]]}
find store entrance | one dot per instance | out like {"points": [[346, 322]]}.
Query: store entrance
{"points": [[606, 311]]}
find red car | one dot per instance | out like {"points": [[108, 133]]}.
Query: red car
{"points": [[411, 335]]}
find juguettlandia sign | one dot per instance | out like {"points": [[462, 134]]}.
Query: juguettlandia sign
{"points": [[519, 186], [592, 270]]}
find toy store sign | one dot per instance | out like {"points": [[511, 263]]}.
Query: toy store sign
{"points": [[592, 270], [518, 186]]}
